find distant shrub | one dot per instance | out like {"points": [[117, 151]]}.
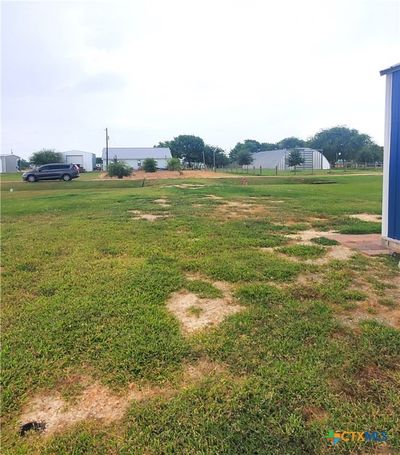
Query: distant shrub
{"points": [[119, 169], [174, 164], [150, 165]]}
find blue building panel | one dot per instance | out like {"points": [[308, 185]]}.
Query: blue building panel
{"points": [[394, 163]]}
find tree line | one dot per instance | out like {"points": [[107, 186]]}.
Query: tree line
{"points": [[337, 143]]}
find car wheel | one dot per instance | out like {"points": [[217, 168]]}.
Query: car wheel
{"points": [[66, 177], [31, 178]]}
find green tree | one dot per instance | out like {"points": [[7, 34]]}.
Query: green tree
{"points": [[290, 143], [119, 169], [150, 165], [174, 164], [46, 156], [99, 160], [295, 159], [249, 145], [267, 146], [370, 153], [188, 147], [340, 140], [23, 164], [221, 158], [244, 158]]}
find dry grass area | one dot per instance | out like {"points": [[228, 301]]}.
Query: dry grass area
{"points": [[98, 402], [367, 217], [196, 313], [138, 215]]}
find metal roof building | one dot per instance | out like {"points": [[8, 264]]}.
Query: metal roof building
{"points": [[391, 161], [9, 163], [313, 159], [134, 156]]}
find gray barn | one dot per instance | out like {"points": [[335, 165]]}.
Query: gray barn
{"points": [[272, 159], [9, 163]]}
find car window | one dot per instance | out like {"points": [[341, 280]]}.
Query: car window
{"points": [[44, 168]]}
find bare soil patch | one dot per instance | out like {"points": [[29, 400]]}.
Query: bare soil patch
{"points": [[367, 217], [234, 210], [307, 235], [213, 197], [100, 403], [162, 202], [335, 253], [371, 308], [314, 414], [138, 215], [195, 313]]}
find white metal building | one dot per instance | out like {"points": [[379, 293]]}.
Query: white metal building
{"points": [[272, 159], [9, 163], [86, 160], [134, 156]]}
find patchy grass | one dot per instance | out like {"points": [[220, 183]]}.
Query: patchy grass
{"points": [[85, 290], [324, 241], [303, 251]]}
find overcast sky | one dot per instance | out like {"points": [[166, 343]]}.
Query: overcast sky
{"points": [[229, 70]]}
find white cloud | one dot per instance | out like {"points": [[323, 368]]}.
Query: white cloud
{"points": [[226, 70]]}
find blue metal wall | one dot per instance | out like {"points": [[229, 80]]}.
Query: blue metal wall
{"points": [[394, 165]]}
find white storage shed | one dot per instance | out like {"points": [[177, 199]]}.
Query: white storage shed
{"points": [[86, 160], [9, 163]]}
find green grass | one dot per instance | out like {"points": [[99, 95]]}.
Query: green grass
{"points": [[324, 241], [84, 291], [303, 251]]}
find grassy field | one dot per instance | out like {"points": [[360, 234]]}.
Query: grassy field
{"points": [[85, 286]]}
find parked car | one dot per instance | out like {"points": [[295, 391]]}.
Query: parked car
{"points": [[56, 171]]}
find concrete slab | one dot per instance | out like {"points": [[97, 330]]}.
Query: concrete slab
{"points": [[370, 244]]}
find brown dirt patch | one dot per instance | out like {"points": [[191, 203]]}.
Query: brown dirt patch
{"points": [[213, 197], [162, 202], [185, 186], [100, 403], [195, 313], [335, 253], [235, 210], [314, 414], [138, 215], [371, 309], [367, 217], [307, 235]]}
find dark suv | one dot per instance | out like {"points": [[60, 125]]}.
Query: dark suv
{"points": [[57, 171]]}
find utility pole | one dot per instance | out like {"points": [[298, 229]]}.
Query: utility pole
{"points": [[107, 148], [215, 169]]}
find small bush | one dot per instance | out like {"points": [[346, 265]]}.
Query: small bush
{"points": [[174, 164], [149, 165], [119, 169]]}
